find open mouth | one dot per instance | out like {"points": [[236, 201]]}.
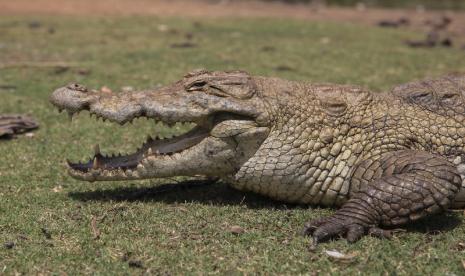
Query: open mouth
{"points": [[157, 147]]}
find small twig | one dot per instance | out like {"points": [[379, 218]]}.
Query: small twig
{"points": [[95, 230]]}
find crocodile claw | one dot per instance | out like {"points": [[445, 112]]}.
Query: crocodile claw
{"points": [[323, 229]]}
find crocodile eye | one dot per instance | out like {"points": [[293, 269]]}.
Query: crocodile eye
{"points": [[421, 97], [196, 86]]}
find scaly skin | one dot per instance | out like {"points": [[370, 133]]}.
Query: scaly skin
{"points": [[11, 124], [385, 158]]}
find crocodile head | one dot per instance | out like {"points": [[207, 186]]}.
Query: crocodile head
{"points": [[229, 117]]}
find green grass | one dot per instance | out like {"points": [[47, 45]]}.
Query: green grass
{"points": [[175, 229]]}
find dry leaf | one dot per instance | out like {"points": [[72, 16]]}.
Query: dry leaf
{"points": [[338, 256], [235, 229]]}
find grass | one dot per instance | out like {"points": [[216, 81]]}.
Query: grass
{"points": [[159, 226]]}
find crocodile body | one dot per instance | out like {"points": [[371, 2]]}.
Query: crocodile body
{"points": [[384, 158]]}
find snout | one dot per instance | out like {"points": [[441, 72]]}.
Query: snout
{"points": [[73, 97]]}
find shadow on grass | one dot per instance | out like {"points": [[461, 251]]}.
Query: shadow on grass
{"points": [[436, 224], [220, 194], [204, 192]]}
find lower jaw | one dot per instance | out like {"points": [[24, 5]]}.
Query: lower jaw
{"points": [[132, 165], [211, 157]]}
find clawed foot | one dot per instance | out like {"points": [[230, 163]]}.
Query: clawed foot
{"points": [[324, 229]]}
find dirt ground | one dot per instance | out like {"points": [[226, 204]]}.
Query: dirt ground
{"points": [[225, 8]]}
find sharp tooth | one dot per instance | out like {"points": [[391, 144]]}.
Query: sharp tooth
{"points": [[149, 151], [157, 152], [95, 164], [97, 149]]}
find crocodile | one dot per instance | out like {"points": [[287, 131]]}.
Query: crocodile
{"points": [[384, 159]]}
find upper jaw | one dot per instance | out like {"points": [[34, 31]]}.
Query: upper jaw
{"points": [[165, 105], [171, 104]]}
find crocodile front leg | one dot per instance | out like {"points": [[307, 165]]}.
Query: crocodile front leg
{"points": [[395, 189]]}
